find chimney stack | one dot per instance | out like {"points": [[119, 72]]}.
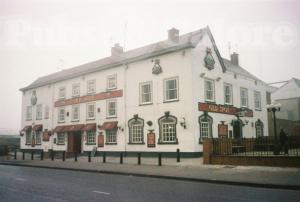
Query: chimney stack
{"points": [[117, 50], [234, 58], [173, 35]]}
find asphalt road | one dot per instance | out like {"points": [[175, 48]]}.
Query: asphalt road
{"points": [[36, 184]]}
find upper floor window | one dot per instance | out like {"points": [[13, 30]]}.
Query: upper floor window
{"points": [[136, 130], [146, 93], [91, 86], [39, 112], [90, 110], [244, 97], [61, 115], [76, 90], [75, 112], [268, 98], [209, 89], [62, 93], [28, 113], [167, 129], [171, 89], [111, 108], [257, 100], [112, 82], [46, 114], [228, 94]]}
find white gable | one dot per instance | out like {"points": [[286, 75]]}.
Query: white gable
{"points": [[289, 90]]}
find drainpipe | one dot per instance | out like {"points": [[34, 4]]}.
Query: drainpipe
{"points": [[125, 106]]}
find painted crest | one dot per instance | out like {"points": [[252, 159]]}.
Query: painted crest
{"points": [[33, 98], [209, 60], [157, 68]]}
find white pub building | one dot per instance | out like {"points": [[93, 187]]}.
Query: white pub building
{"points": [[158, 98]]}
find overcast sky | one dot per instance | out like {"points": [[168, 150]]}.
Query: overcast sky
{"points": [[39, 37]]}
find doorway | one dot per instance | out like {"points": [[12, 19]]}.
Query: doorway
{"points": [[74, 142], [237, 129]]}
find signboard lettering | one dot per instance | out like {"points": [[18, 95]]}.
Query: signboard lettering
{"points": [[223, 109]]}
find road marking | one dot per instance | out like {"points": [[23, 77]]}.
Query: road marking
{"points": [[20, 179], [101, 192]]}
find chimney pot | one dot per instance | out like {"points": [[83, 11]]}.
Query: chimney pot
{"points": [[234, 58], [116, 50], [173, 35]]}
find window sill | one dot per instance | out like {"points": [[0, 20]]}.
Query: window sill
{"points": [[90, 143], [75, 96], [210, 102], [90, 93], [259, 110], [111, 117], [111, 143], [228, 105], [145, 104], [28, 120], [61, 122], [167, 101], [28, 144], [138, 143], [167, 143], [110, 89], [75, 120], [61, 144], [91, 119], [38, 119]]}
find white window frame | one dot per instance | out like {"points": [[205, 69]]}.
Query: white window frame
{"points": [[91, 86], [28, 137], [91, 137], [212, 90], [61, 138], [168, 132], [62, 93], [204, 129], [108, 115], [39, 112], [47, 111], [111, 136], [111, 82], [76, 90], [166, 90], [38, 137], [246, 98], [88, 117], [29, 113], [231, 94], [142, 102], [61, 116], [257, 98], [137, 133], [73, 112]]}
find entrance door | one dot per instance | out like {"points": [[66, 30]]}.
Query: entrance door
{"points": [[74, 142], [237, 129]]}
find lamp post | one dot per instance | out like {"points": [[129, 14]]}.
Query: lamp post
{"points": [[274, 107]]}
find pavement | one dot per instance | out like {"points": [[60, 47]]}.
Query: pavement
{"points": [[190, 169]]}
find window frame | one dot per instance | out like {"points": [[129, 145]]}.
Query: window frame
{"points": [[28, 113], [38, 136], [141, 92], [39, 112], [74, 86], [165, 89], [231, 93], [136, 121], [72, 115], [28, 137], [108, 110], [108, 87], [87, 111], [205, 118], [164, 120], [259, 99], [241, 98], [91, 135], [213, 90], [47, 112], [259, 125], [61, 140], [88, 83], [62, 93], [59, 120], [109, 134]]}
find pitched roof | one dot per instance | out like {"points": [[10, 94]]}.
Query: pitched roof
{"points": [[188, 40], [297, 82]]}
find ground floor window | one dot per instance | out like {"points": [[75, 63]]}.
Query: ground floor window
{"points": [[259, 126], [136, 130], [38, 137], [205, 123], [167, 129], [28, 137], [61, 138], [91, 137], [111, 136]]}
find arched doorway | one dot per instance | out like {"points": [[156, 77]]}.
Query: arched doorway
{"points": [[237, 126]]}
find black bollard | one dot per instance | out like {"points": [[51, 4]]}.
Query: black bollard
{"points": [[32, 153], [75, 157], [121, 158], [23, 155], [52, 155], [42, 155], [139, 158], [64, 156], [178, 155], [104, 157], [90, 157], [159, 159], [15, 155]]}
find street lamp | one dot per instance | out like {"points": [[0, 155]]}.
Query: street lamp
{"points": [[273, 107]]}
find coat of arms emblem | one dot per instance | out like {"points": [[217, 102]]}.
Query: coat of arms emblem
{"points": [[33, 98], [157, 68]]}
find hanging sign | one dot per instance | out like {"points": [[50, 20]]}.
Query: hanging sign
{"points": [[151, 139]]}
